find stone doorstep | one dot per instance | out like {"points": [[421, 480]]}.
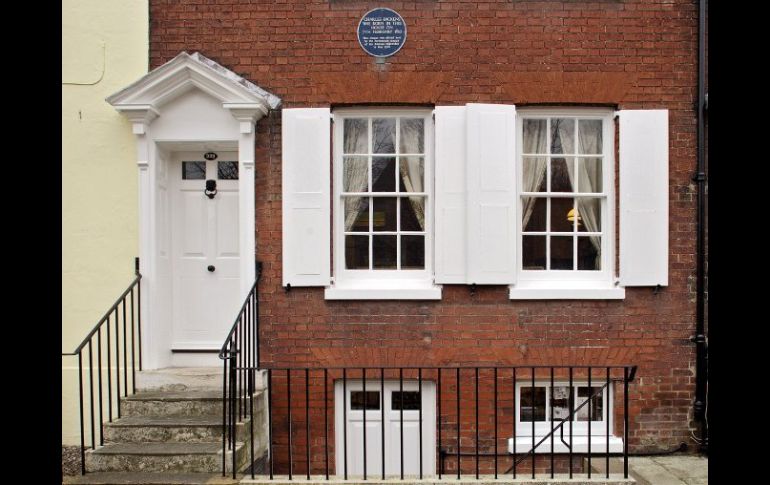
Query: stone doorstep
{"points": [[470, 480], [177, 379]]}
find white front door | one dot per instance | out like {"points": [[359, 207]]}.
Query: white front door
{"points": [[206, 250], [389, 408]]}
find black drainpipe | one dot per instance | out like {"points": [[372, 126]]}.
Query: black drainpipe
{"points": [[701, 343]]}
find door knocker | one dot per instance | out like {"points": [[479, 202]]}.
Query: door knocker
{"points": [[211, 188]]}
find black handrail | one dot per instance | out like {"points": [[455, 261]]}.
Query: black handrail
{"points": [[134, 311], [240, 359]]}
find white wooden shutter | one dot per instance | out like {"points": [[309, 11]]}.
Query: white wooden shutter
{"points": [[306, 183], [491, 193], [643, 197], [450, 194]]}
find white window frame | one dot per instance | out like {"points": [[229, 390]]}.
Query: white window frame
{"points": [[579, 428], [566, 284], [381, 283]]}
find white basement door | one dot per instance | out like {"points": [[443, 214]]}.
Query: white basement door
{"points": [[390, 409]]}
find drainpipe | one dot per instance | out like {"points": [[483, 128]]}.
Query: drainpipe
{"points": [[700, 340]]}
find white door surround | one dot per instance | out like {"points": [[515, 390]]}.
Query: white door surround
{"points": [[191, 103], [350, 427]]}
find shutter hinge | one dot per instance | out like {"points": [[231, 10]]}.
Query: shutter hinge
{"points": [[699, 177], [616, 114], [331, 117]]}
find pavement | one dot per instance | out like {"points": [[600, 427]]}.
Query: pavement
{"points": [[669, 470], [678, 469]]}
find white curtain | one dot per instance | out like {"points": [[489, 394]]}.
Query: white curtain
{"points": [[535, 141], [412, 169], [589, 178], [355, 171]]}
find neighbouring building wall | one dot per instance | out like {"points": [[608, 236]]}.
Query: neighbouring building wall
{"points": [[631, 55], [104, 48]]}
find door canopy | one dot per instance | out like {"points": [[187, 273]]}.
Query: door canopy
{"points": [[142, 101]]}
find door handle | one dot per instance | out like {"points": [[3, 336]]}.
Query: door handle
{"points": [[211, 268]]}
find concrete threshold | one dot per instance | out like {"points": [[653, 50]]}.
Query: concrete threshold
{"points": [[470, 480]]}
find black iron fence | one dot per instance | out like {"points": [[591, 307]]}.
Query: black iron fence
{"points": [[122, 325], [474, 407]]}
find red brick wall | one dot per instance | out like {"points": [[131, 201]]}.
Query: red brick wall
{"points": [[625, 54]]}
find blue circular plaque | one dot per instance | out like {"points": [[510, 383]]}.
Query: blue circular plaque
{"points": [[381, 32]]}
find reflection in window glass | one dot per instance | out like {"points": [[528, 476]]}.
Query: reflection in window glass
{"points": [[560, 402], [357, 400], [570, 162], [596, 404], [532, 404], [227, 170], [193, 170], [384, 156], [357, 252], [384, 135], [384, 252], [411, 400]]}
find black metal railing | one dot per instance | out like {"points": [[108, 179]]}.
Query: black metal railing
{"points": [[497, 385], [126, 315], [240, 357]]}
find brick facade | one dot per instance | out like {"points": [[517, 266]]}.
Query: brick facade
{"points": [[622, 54]]}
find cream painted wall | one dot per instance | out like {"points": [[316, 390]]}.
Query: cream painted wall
{"points": [[104, 49]]}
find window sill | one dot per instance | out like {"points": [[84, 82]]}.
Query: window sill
{"points": [[566, 290], [579, 444], [384, 290]]}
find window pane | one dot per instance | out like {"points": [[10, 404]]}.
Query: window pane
{"points": [[562, 135], [411, 174], [533, 252], [589, 175], [534, 171], [412, 252], [535, 136], [532, 406], [561, 252], [533, 210], [227, 170], [357, 214], [384, 252], [384, 217], [383, 174], [589, 211], [589, 253], [560, 402], [357, 400], [355, 174], [590, 136], [562, 170], [596, 404], [412, 135], [356, 135], [411, 400], [193, 170], [560, 214], [384, 134], [412, 213], [357, 252]]}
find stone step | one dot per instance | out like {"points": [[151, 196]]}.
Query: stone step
{"points": [[187, 378], [164, 457], [190, 429], [173, 403], [140, 478]]}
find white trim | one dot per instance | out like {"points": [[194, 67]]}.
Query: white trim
{"points": [[579, 445], [382, 284], [573, 284], [143, 103]]}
